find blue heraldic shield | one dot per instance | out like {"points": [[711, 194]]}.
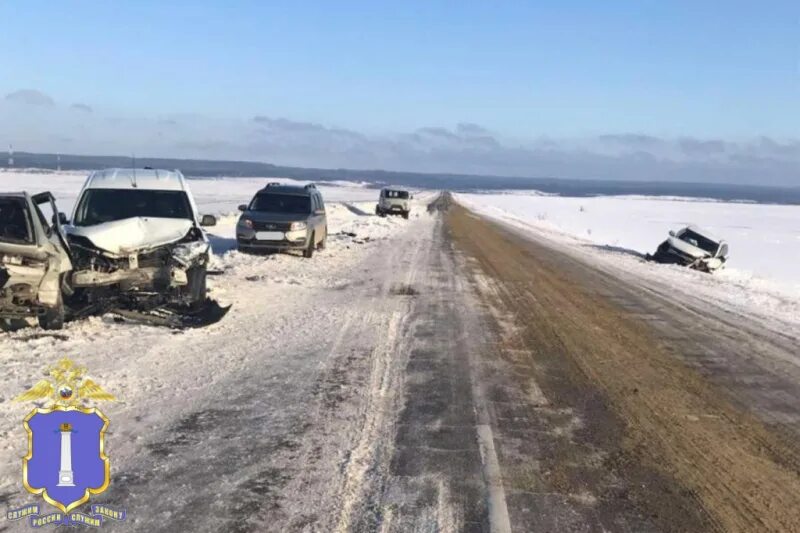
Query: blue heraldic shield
{"points": [[65, 461]]}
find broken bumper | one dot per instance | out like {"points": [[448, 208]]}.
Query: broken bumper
{"points": [[155, 270], [671, 256], [140, 278]]}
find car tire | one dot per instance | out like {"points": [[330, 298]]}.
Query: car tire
{"points": [[53, 317], [405, 215], [196, 285], [308, 253]]}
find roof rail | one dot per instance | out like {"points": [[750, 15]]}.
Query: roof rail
{"points": [[310, 186], [273, 184]]}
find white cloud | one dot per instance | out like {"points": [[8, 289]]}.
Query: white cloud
{"points": [[465, 148], [30, 97]]}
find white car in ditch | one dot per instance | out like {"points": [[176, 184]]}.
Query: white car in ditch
{"points": [[694, 247], [137, 242], [34, 261]]}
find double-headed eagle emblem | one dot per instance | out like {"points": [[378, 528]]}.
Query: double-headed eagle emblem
{"points": [[67, 385]]}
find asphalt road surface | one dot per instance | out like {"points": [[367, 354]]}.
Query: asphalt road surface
{"points": [[630, 411], [465, 377]]}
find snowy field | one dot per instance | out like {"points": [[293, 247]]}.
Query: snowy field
{"points": [[213, 195], [763, 272]]}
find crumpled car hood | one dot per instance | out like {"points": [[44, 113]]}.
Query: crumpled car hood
{"points": [[134, 234], [687, 248]]}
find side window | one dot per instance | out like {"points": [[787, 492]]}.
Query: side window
{"points": [[45, 213]]}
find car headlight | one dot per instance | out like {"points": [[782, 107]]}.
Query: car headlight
{"points": [[297, 226], [11, 259], [246, 222]]}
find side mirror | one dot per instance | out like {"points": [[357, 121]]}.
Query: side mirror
{"points": [[243, 207], [62, 219], [208, 220], [671, 233], [412, 196]]}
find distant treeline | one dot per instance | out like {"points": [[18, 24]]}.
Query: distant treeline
{"points": [[455, 182]]}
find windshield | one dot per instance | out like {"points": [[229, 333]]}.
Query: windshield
{"points": [[107, 205], [14, 221], [698, 240], [397, 194], [281, 203]]}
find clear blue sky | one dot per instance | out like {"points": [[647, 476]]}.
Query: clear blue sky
{"points": [[724, 69]]}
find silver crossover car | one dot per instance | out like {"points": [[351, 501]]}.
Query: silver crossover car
{"points": [[283, 218]]}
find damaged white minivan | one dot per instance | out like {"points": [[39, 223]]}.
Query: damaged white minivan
{"points": [[137, 243]]}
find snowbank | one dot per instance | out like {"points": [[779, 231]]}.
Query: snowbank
{"points": [[762, 274]]}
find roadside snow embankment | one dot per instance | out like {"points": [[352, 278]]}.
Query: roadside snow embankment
{"points": [[762, 275]]}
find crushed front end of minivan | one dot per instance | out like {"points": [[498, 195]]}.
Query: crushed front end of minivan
{"points": [[138, 246]]}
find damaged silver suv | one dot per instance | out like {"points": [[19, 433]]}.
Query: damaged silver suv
{"points": [[34, 260], [136, 242]]}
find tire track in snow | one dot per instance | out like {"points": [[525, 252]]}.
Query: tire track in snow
{"points": [[385, 381]]}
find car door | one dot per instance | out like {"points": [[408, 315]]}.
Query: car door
{"points": [[54, 245], [51, 219], [323, 217], [315, 218]]}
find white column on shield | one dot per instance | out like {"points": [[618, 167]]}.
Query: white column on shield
{"points": [[65, 477]]}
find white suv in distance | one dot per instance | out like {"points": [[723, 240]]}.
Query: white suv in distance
{"points": [[393, 202]]}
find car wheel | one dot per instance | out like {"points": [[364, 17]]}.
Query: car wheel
{"points": [[53, 317], [405, 215], [308, 253], [196, 285]]}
